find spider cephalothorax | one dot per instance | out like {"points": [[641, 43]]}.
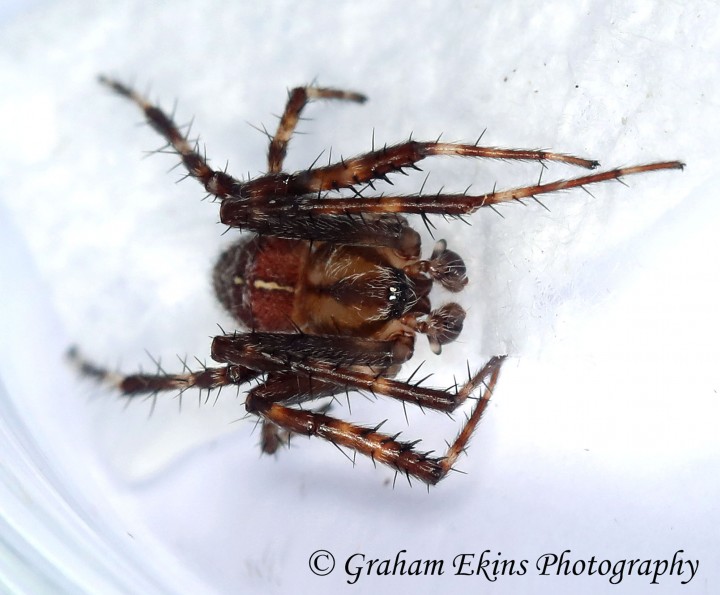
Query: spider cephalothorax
{"points": [[331, 289]]}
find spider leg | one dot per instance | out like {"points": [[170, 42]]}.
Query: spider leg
{"points": [[281, 352], [298, 98], [377, 164], [292, 205], [216, 182], [132, 385], [441, 204], [310, 373], [289, 388], [262, 401], [135, 385], [374, 220]]}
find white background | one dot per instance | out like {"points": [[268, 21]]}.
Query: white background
{"points": [[602, 436]]}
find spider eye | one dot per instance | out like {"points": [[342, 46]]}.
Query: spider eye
{"points": [[399, 295]]}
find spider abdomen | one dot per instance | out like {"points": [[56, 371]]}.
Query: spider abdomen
{"points": [[256, 280]]}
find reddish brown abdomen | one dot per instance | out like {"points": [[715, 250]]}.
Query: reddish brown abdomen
{"points": [[256, 280]]}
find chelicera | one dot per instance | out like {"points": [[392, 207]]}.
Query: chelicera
{"points": [[331, 289]]}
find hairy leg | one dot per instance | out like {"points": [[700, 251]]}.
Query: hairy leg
{"points": [[144, 384], [403, 456], [216, 182], [446, 204], [297, 100]]}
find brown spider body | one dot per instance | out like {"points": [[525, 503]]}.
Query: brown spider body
{"points": [[333, 289], [280, 285]]}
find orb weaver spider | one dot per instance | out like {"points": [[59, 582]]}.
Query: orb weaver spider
{"points": [[331, 287]]}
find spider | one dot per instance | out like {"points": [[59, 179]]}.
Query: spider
{"points": [[332, 289]]}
